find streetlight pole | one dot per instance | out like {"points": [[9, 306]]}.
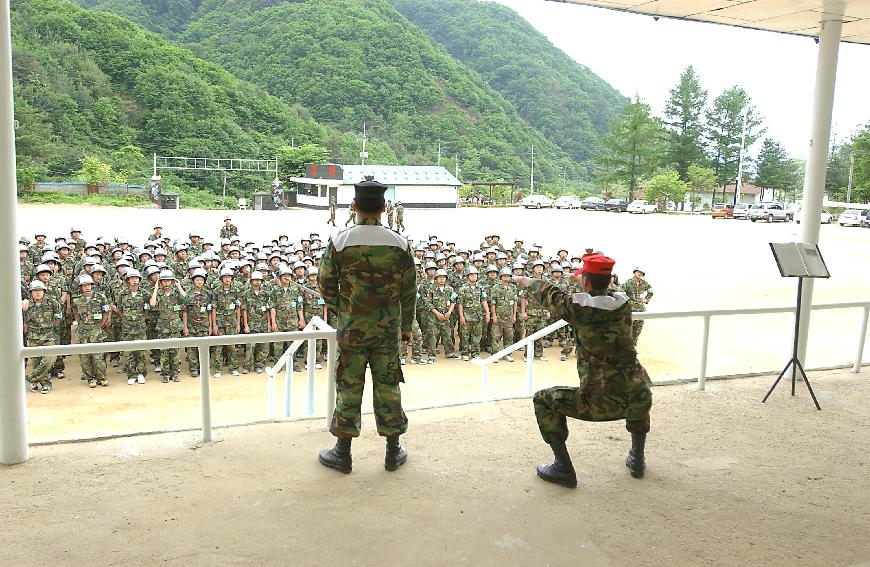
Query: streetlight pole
{"points": [[532, 187], [740, 160]]}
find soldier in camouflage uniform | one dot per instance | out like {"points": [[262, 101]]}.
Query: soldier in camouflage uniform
{"points": [[416, 341], [199, 320], [92, 314], [504, 302], [41, 315], [332, 205], [473, 313], [351, 218], [131, 305], [257, 304], [169, 302], [148, 286], [367, 278], [639, 293], [613, 384], [226, 320], [440, 300], [286, 312], [313, 306], [535, 315], [390, 214], [228, 230], [400, 217]]}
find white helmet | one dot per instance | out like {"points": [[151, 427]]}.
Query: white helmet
{"points": [[85, 279], [166, 275], [441, 273], [36, 285]]}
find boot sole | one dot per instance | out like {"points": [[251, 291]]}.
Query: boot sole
{"points": [[634, 473], [335, 467], [565, 483], [395, 467]]}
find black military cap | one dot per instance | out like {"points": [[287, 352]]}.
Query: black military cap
{"points": [[369, 194]]}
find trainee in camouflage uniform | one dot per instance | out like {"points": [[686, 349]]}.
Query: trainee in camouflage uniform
{"points": [[613, 384], [535, 313], [229, 229], [416, 334], [169, 302], [639, 293], [367, 278], [257, 303], [286, 312], [41, 315], [473, 313], [563, 334], [440, 300], [92, 315], [313, 306], [331, 210], [227, 319], [132, 306], [400, 217], [390, 214], [504, 302], [456, 279], [351, 218], [151, 282], [490, 279], [198, 307]]}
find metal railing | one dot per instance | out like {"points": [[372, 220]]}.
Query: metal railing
{"points": [[704, 315], [316, 329]]}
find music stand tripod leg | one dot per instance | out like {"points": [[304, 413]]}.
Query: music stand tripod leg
{"points": [[807, 382], [778, 378]]}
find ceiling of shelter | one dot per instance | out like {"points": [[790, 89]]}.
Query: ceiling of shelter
{"points": [[800, 17]]}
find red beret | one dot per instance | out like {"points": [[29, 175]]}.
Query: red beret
{"points": [[596, 264]]}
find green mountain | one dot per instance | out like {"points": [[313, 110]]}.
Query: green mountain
{"points": [[89, 83], [566, 101]]}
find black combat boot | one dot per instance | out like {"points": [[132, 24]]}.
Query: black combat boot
{"points": [[561, 471], [635, 461], [338, 457], [396, 454]]}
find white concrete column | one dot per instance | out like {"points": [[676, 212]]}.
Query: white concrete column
{"points": [[814, 182], [13, 409]]}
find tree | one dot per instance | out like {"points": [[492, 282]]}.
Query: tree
{"points": [[837, 177], [665, 187], [129, 162], [292, 160], [631, 147], [861, 180], [94, 171], [684, 113], [724, 130], [775, 170], [701, 180]]}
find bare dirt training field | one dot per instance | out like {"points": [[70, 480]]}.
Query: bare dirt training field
{"points": [[693, 262], [730, 481]]}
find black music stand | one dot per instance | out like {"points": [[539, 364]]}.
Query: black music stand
{"points": [[798, 260]]}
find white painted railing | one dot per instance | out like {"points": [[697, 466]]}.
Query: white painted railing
{"points": [[705, 315], [317, 329]]}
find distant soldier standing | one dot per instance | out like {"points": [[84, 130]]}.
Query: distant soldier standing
{"points": [[41, 316], [390, 214], [228, 230], [503, 301], [92, 315], [331, 210], [199, 307], [367, 278], [226, 320], [400, 217], [131, 305], [255, 318], [171, 318], [351, 218], [639, 293], [441, 300], [613, 384], [473, 313]]}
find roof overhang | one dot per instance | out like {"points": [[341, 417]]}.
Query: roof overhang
{"points": [[799, 17], [313, 181]]}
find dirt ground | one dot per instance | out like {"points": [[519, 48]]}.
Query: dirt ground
{"points": [[730, 481]]}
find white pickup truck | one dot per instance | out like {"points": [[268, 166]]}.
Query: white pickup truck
{"points": [[768, 212]]}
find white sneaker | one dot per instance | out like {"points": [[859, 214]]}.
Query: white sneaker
{"points": [[234, 372], [542, 358], [402, 361], [465, 357], [475, 357], [217, 374], [509, 358], [140, 379], [131, 381], [319, 366], [158, 369]]}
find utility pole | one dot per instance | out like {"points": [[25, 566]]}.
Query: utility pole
{"points": [[851, 173], [457, 166], [564, 179], [224, 197], [363, 154], [439, 153], [532, 188], [740, 161]]}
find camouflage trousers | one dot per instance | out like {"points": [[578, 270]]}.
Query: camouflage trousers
{"points": [[519, 330], [115, 333], [65, 334], [169, 363], [502, 334], [350, 375], [226, 353], [533, 325], [331, 216], [636, 328], [567, 341], [440, 330], [135, 363], [93, 365], [470, 334], [41, 364], [400, 224], [554, 405], [416, 343], [151, 333], [192, 354], [255, 354]]}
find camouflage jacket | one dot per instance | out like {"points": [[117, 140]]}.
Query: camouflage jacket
{"points": [[257, 306], [601, 326], [639, 293], [198, 307], [534, 306], [42, 318], [440, 298], [227, 304], [90, 310], [471, 297], [287, 302], [504, 298], [169, 307], [367, 278], [132, 309], [312, 302], [229, 231]]}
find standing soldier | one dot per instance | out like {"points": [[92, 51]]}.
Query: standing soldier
{"points": [[441, 299], [390, 214], [199, 307], [75, 236], [257, 306], [473, 312], [367, 278], [613, 384], [312, 306], [331, 210], [171, 320], [92, 315], [400, 217], [157, 235], [148, 286], [416, 331], [351, 217], [227, 319], [639, 293], [286, 311], [131, 307], [503, 300], [41, 316], [534, 314], [228, 230]]}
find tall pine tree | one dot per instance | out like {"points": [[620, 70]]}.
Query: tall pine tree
{"points": [[684, 120], [724, 129]]}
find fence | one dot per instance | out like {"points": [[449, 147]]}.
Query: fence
{"points": [[81, 188]]}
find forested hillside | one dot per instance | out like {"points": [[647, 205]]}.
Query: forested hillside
{"points": [[566, 101]]}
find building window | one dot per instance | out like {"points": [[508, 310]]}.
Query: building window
{"points": [[307, 189]]}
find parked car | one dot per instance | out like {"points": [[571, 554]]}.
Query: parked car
{"points": [[616, 206], [768, 212], [722, 211], [641, 207], [593, 203], [536, 202], [854, 217], [567, 202], [824, 218], [741, 211]]}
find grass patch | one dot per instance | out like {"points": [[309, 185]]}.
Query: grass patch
{"points": [[51, 198]]}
